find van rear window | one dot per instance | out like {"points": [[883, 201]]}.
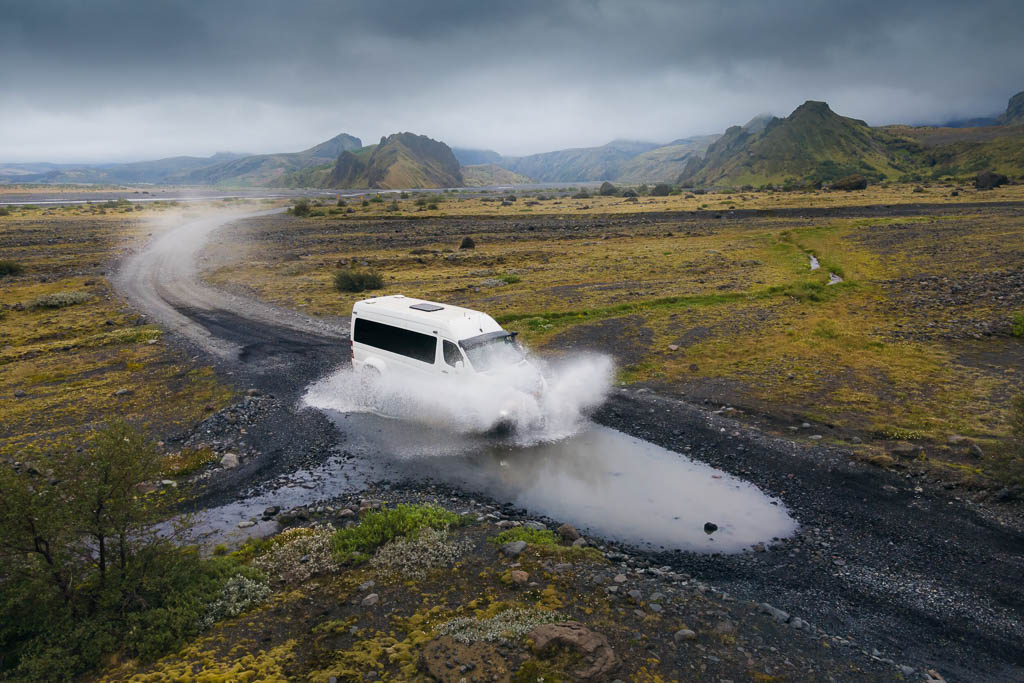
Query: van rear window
{"points": [[415, 345]]}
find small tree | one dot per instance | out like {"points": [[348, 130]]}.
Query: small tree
{"points": [[301, 208]]}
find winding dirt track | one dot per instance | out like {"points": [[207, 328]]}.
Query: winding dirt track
{"points": [[162, 279]]}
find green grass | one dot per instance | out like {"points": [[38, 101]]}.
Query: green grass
{"points": [[10, 268], [349, 280], [356, 544], [531, 536], [510, 278]]}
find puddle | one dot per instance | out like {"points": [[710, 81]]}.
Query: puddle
{"points": [[602, 481], [814, 262], [599, 480]]}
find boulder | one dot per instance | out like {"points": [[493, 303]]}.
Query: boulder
{"points": [[607, 189], [513, 549], [229, 461], [567, 532], [856, 181], [989, 180], [467, 243], [599, 659]]}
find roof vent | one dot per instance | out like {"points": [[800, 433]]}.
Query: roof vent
{"points": [[429, 308]]}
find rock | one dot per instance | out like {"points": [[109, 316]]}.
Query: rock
{"points": [[956, 439], [758, 547], [122, 392], [907, 670], [367, 585], [514, 548], [851, 182], [370, 600], [710, 528], [246, 524], [619, 578], [535, 526], [654, 607], [567, 532], [440, 656], [467, 243], [519, 577], [20, 394], [271, 511], [673, 347], [989, 180], [905, 450], [683, 635], [725, 627], [975, 450], [635, 595], [779, 615], [607, 189], [579, 543], [229, 461], [599, 659], [252, 393]]}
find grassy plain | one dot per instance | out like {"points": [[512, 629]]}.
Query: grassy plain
{"points": [[889, 354], [71, 353]]}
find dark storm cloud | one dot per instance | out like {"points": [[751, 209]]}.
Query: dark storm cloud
{"points": [[132, 78]]}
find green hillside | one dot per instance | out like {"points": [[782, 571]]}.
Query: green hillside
{"points": [[401, 160], [579, 164], [812, 144], [663, 164], [272, 169]]}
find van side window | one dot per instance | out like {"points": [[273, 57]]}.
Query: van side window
{"points": [[452, 355], [415, 345]]}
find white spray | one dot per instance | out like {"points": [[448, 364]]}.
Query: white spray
{"points": [[535, 411]]}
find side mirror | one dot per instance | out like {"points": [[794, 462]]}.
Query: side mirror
{"points": [[459, 365]]}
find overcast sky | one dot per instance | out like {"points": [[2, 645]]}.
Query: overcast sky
{"points": [[96, 80]]}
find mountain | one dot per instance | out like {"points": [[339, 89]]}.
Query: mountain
{"points": [[270, 170], [486, 175], [1014, 113], [401, 160], [663, 164], [475, 157], [813, 144], [159, 171], [580, 164]]}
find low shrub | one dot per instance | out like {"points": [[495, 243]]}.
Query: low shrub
{"points": [[365, 202], [349, 280], [4, 211], [510, 278], [301, 208], [581, 195], [10, 268], [467, 243], [507, 626], [356, 544], [413, 557], [342, 202], [661, 190], [187, 461], [1017, 324], [432, 207], [393, 206], [298, 554], [857, 181], [377, 200], [240, 593], [61, 300]]}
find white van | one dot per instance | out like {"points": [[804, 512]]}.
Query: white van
{"points": [[401, 336]]}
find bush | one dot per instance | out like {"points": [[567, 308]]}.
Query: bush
{"points": [[989, 180], [4, 211], [349, 280], [507, 626], [412, 557], [421, 201], [432, 207], [366, 202], [510, 278], [607, 189], [581, 195], [61, 300], [10, 268], [393, 206], [377, 200], [629, 194], [1017, 324], [355, 544], [297, 554], [467, 243], [857, 181], [342, 202], [238, 595], [661, 190], [301, 208]]}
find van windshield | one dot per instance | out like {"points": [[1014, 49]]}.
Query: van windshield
{"points": [[494, 353]]}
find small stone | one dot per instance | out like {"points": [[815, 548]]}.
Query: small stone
{"points": [[371, 600], [246, 524], [229, 461], [975, 450], [519, 577], [684, 634], [815, 437], [657, 597], [271, 511], [725, 627], [567, 532], [619, 578], [535, 526], [654, 607], [20, 394], [907, 670], [514, 548], [673, 347], [367, 585], [635, 595], [122, 392], [710, 528], [579, 543]]}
